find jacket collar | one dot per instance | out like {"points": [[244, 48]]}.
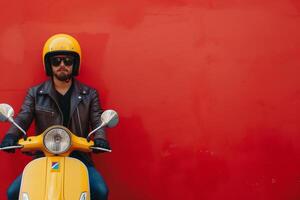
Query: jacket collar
{"points": [[79, 91], [48, 88]]}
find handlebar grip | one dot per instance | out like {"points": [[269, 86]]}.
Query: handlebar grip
{"points": [[102, 149], [11, 147]]}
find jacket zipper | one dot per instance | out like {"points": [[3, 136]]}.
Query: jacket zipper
{"points": [[62, 116], [52, 113], [78, 115]]}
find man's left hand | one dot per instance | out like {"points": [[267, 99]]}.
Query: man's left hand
{"points": [[102, 143]]}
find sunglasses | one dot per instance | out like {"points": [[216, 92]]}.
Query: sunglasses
{"points": [[68, 61]]}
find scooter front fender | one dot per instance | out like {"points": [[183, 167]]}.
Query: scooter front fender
{"points": [[55, 178]]}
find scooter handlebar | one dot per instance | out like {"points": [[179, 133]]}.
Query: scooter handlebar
{"points": [[102, 149], [11, 147]]}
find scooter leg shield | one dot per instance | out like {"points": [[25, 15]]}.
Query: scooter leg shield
{"points": [[76, 183], [34, 180], [55, 178]]}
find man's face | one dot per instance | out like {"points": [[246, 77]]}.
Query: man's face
{"points": [[62, 67]]}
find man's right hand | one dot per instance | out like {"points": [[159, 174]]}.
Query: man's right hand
{"points": [[9, 140]]}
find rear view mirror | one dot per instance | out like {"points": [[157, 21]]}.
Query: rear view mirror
{"points": [[6, 112], [110, 118]]}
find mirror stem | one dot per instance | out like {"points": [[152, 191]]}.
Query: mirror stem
{"points": [[14, 123], [89, 135]]}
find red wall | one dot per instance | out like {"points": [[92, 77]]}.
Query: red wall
{"points": [[207, 91]]}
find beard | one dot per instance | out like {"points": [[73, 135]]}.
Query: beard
{"points": [[62, 76]]}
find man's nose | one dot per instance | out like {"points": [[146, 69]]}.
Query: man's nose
{"points": [[62, 63]]}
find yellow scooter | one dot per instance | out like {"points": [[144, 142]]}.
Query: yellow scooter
{"points": [[56, 176]]}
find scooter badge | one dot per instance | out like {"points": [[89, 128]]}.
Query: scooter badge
{"points": [[55, 166]]}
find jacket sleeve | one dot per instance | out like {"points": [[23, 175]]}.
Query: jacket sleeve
{"points": [[95, 115], [25, 116]]}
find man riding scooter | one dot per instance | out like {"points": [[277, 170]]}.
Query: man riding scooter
{"points": [[62, 100]]}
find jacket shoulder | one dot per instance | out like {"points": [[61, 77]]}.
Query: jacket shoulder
{"points": [[39, 87], [85, 88]]}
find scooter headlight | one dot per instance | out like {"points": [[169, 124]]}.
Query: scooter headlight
{"points": [[57, 140]]}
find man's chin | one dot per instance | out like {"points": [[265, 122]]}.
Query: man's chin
{"points": [[63, 77]]}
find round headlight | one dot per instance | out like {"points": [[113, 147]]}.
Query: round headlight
{"points": [[57, 140]]}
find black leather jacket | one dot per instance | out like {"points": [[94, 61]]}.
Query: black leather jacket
{"points": [[41, 105]]}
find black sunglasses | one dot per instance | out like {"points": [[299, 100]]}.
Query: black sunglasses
{"points": [[55, 61]]}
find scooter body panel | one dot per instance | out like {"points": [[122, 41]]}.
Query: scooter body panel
{"points": [[34, 179], [55, 178], [76, 179]]}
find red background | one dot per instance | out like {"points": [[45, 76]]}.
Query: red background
{"points": [[207, 91]]}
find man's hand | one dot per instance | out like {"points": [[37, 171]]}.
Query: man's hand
{"points": [[102, 143], [9, 140]]}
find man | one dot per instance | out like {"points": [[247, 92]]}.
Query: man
{"points": [[62, 100]]}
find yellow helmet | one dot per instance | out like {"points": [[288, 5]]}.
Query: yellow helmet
{"points": [[61, 44]]}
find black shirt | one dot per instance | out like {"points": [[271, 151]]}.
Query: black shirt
{"points": [[64, 103]]}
